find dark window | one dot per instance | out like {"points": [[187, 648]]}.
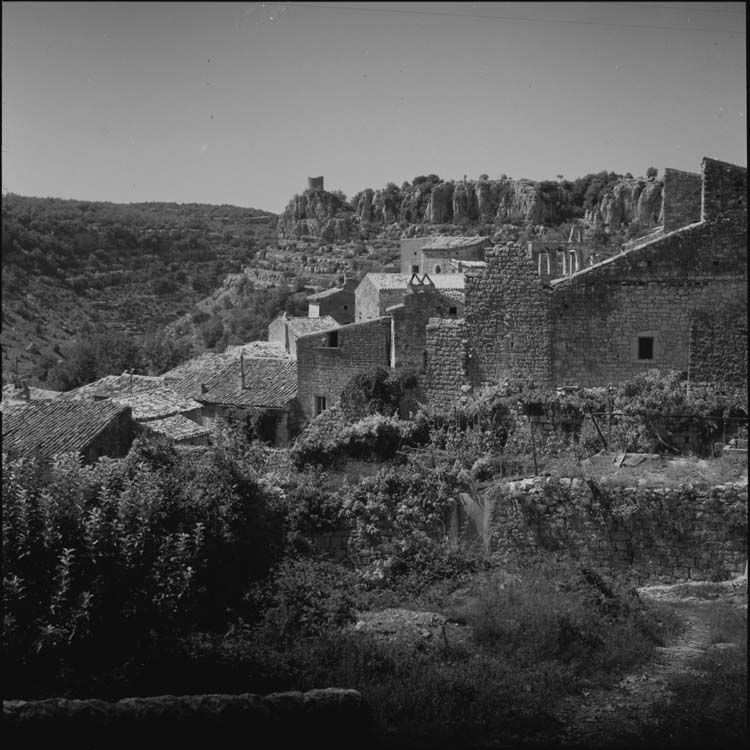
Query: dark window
{"points": [[346, 307], [320, 405], [332, 339], [415, 269], [645, 347], [716, 263], [437, 269], [453, 311]]}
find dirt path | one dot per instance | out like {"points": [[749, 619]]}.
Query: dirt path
{"points": [[616, 716]]}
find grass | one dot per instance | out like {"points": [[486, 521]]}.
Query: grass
{"points": [[710, 710]]}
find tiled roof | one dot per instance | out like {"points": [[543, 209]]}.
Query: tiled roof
{"points": [[258, 349], [269, 382], [324, 294], [177, 428], [161, 402], [13, 395], [305, 326], [401, 280], [187, 377], [58, 426], [115, 385], [451, 243]]}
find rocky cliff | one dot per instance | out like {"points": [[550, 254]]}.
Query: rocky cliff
{"points": [[601, 201], [316, 214]]}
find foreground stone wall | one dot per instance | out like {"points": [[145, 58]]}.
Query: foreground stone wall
{"points": [[327, 717], [653, 535]]}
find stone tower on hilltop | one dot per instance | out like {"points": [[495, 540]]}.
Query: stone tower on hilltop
{"points": [[315, 183]]}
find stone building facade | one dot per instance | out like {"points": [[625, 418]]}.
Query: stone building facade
{"points": [[433, 255], [656, 305], [338, 303], [327, 361], [378, 292]]}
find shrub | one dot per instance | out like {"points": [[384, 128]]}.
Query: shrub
{"points": [[100, 561]]}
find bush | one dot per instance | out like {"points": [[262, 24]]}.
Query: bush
{"points": [[101, 562]]}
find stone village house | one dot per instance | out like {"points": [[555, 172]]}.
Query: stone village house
{"points": [[559, 313]]}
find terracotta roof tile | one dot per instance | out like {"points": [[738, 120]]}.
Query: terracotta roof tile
{"points": [[305, 326], [58, 426], [269, 382], [177, 428]]}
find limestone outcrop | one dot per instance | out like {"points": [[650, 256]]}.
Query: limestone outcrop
{"points": [[430, 201]]}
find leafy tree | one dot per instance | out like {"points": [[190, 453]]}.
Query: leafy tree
{"points": [[651, 173]]}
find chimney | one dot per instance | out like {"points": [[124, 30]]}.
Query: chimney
{"points": [[242, 372]]}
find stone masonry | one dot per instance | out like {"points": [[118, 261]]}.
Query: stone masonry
{"points": [[327, 361], [655, 305], [652, 534], [681, 202]]}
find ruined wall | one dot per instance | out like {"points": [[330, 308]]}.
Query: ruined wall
{"points": [[651, 534], [324, 370], [330, 717], [598, 316], [507, 318], [409, 327], [447, 360], [724, 191], [278, 333], [681, 204]]}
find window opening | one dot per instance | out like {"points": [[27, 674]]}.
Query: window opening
{"points": [[320, 405], [645, 347], [332, 339]]}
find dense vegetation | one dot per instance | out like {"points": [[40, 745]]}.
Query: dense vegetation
{"points": [[209, 572], [131, 268]]}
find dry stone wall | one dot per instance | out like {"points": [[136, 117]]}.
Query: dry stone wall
{"points": [[327, 717], [652, 535], [718, 344]]}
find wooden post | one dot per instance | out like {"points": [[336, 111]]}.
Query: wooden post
{"points": [[599, 432]]}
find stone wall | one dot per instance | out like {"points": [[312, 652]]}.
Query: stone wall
{"points": [[653, 535], [278, 332], [409, 332], [114, 440], [718, 343], [370, 301], [724, 191], [447, 361], [598, 316], [681, 203], [507, 318], [323, 370], [327, 717], [340, 305]]}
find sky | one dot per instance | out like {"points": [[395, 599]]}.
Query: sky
{"points": [[240, 102]]}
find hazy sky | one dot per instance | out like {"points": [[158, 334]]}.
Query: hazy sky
{"points": [[239, 102]]}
